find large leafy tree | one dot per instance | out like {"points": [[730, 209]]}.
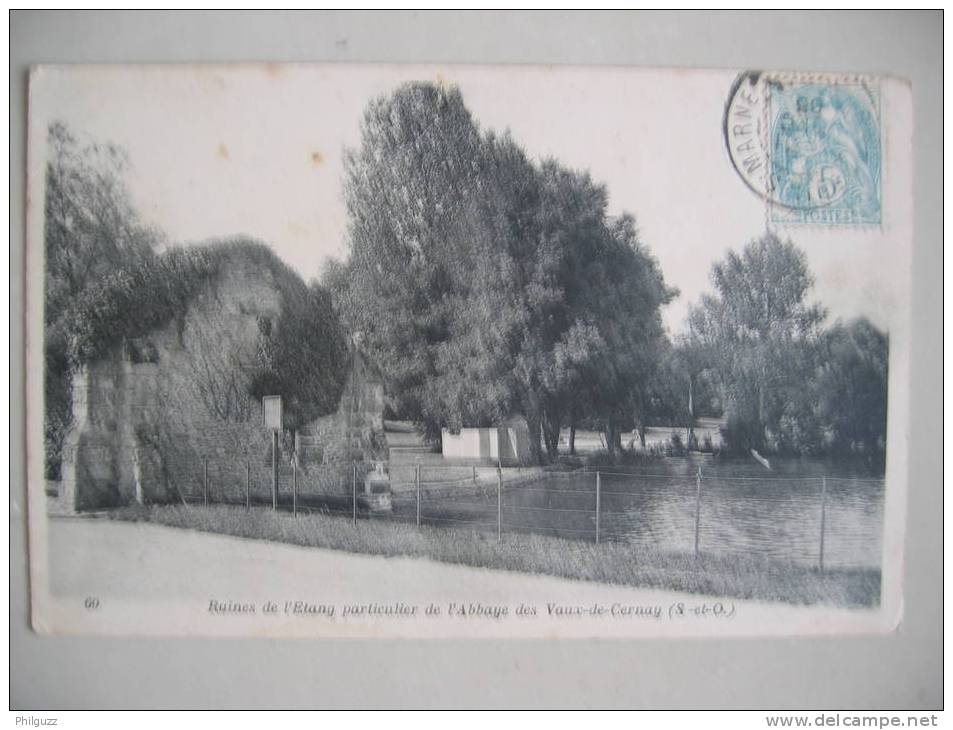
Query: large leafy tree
{"points": [[620, 291], [852, 386], [759, 333], [556, 332], [477, 380], [90, 228], [485, 284], [407, 188]]}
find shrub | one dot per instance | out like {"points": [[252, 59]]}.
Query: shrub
{"points": [[675, 445], [706, 445]]}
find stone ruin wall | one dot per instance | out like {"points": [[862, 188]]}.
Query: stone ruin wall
{"points": [[356, 431], [144, 427]]}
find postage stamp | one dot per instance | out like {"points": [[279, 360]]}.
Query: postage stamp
{"points": [[811, 146]]}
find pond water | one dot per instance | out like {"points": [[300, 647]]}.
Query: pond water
{"points": [[742, 509]]}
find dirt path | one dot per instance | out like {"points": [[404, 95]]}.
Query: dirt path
{"points": [[151, 579], [139, 560]]}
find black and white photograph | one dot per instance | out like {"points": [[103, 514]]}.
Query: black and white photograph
{"points": [[357, 350]]}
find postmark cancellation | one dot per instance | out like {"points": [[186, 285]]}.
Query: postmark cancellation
{"points": [[809, 145]]}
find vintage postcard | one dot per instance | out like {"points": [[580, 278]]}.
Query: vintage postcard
{"points": [[467, 351]]}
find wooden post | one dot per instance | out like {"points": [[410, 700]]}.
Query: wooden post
{"points": [[247, 485], [294, 486], [499, 504], [698, 505], [417, 481], [354, 492], [274, 470], [823, 519], [598, 499], [474, 475], [205, 479]]}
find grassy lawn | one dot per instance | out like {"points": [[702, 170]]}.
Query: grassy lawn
{"points": [[727, 576]]}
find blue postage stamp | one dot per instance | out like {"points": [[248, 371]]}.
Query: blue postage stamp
{"points": [[824, 152]]}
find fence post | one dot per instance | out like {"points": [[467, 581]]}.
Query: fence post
{"points": [[294, 486], [698, 506], [499, 504], [474, 475], [598, 505], [274, 470], [823, 518], [417, 482], [205, 479], [247, 485], [354, 493]]}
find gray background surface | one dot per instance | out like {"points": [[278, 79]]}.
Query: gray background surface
{"points": [[902, 670]]}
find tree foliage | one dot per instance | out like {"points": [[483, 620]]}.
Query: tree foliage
{"points": [[760, 335], [90, 223], [787, 384], [303, 356], [486, 284], [851, 386], [404, 189], [90, 227]]}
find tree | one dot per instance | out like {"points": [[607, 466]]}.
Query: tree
{"points": [[406, 188], [440, 228], [667, 396], [852, 387], [557, 331], [90, 224], [483, 284], [478, 375], [624, 292], [304, 355], [560, 312], [90, 228], [759, 334]]}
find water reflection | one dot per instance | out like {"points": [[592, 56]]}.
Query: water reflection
{"points": [[741, 510]]}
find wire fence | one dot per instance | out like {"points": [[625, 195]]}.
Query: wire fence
{"points": [[822, 520]]}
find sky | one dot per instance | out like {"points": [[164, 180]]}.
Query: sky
{"points": [[257, 149]]}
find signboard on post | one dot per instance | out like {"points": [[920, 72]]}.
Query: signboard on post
{"points": [[271, 410], [271, 413]]}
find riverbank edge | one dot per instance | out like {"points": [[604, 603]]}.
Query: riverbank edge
{"points": [[741, 577]]}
